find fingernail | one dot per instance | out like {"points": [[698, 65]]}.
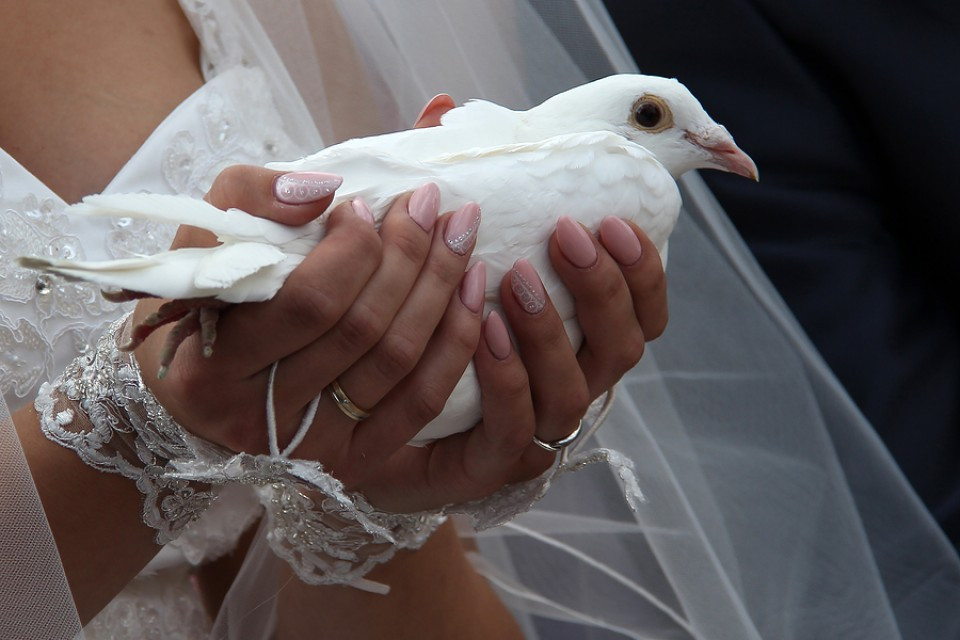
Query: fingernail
{"points": [[473, 287], [527, 288], [575, 243], [362, 209], [424, 205], [303, 187], [620, 240], [495, 333], [462, 228]]}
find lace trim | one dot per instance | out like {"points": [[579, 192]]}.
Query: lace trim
{"points": [[240, 124], [515, 499], [221, 45], [100, 408], [327, 534], [334, 542]]}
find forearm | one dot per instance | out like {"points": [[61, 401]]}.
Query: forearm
{"points": [[434, 593], [95, 518]]}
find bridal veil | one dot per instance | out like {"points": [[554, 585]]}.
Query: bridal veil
{"points": [[771, 509]]}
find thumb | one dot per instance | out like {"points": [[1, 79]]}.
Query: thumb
{"points": [[293, 198], [288, 198]]}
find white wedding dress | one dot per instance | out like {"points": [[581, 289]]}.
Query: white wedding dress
{"points": [[772, 511], [46, 322]]}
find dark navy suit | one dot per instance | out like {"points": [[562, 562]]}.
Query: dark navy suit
{"points": [[852, 112]]}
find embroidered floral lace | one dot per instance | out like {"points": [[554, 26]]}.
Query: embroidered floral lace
{"points": [[100, 408]]}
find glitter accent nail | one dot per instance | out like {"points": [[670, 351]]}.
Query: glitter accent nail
{"points": [[527, 288], [461, 231], [304, 187]]}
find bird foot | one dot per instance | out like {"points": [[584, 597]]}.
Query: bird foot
{"points": [[195, 315]]}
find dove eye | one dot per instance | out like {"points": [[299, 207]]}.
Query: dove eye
{"points": [[651, 114]]}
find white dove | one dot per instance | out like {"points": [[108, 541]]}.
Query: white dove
{"points": [[612, 147]]}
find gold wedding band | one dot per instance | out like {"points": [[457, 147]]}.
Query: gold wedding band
{"points": [[345, 404], [557, 445]]}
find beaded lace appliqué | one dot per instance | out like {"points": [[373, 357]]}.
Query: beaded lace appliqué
{"points": [[240, 125], [100, 408], [44, 321]]}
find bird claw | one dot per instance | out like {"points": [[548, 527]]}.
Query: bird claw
{"points": [[123, 295], [195, 315]]}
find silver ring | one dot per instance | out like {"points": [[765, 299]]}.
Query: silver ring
{"points": [[347, 405], [557, 445]]}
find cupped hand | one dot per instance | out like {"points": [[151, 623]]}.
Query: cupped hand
{"points": [[361, 308], [540, 387]]}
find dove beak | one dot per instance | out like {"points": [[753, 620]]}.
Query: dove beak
{"points": [[724, 154]]}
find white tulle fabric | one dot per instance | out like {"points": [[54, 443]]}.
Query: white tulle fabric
{"points": [[772, 511]]}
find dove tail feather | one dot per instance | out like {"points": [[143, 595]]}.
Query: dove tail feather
{"points": [[180, 209]]}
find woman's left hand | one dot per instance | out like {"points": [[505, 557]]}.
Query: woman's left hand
{"points": [[540, 387]]}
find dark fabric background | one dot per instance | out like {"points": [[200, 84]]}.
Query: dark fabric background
{"points": [[850, 110]]}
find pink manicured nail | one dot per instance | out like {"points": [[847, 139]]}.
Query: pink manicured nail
{"points": [[473, 287], [620, 240], [304, 187], [527, 288], [575, 243], [424, 205], [462, 228], [495, 333], [362, 209]]}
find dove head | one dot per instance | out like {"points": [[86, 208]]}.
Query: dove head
{"points": [[659, 114]]}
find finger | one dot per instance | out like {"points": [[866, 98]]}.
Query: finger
{"points": [[406, 233], [642, 268], [422, 395], [401, 347], [433, 111], [312, 300], [560, 392], [293, 198], [472, 464], [495, 446], [613, 336]]}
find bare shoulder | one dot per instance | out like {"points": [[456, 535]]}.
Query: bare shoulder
{"points": [[86, 83]]}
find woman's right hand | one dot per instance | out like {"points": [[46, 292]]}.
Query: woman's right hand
{"points": [[360, 309]]}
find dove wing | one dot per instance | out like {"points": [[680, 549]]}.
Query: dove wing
{"points": [[228, 264], [243, 272], [588, 176], [593, 169], [230, 225], [477, 123], [184, 273]]}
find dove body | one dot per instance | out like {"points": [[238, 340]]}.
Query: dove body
{"points": [[608, 148]]}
